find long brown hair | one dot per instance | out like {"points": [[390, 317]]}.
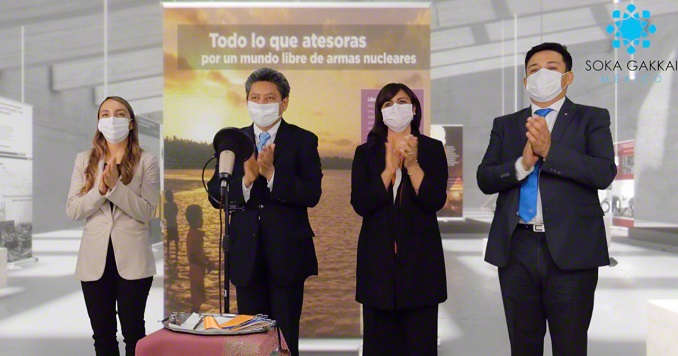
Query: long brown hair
{"points": [[100, 149]]}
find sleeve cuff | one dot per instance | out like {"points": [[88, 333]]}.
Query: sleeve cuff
{"points": [[246, 191], [114, 192], [96, 195], [270, 182], [96, 189], [520, 172]]}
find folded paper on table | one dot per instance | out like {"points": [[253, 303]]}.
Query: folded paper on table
{"points": [[220, 324], [211, 323], [238, 320]]}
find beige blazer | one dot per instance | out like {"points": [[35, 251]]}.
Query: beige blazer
{"points": [[128, 225]]}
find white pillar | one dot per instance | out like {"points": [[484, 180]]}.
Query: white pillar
{"points": [[662, 327], [3, 267]]}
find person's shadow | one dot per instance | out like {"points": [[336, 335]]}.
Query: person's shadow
{"points": [[171, 272]]}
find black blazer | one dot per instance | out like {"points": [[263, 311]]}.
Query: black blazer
{"points": [[415, 276], [579, 163], [281, 215]]}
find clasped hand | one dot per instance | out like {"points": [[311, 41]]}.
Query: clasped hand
{"points": [[261, 165], [403, 152], [109, 177], [538, 141]]}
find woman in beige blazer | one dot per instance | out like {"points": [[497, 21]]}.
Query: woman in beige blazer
{"points": [[115, 188]]}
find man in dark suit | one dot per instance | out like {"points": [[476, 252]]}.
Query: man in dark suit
{"points": [[272, 251], [548, 236]]}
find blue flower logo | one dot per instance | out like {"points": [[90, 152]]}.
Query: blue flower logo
{"points": [[631, 29]]}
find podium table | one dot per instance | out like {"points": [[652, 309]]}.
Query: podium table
{"points": [[662, 327], [171, 343]]}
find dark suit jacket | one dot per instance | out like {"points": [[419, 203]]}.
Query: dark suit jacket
{"points": [[579, 163], [415, 277], [281, 215]]}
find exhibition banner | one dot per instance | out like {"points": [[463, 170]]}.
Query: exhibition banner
{"points": [[334, 57], [16, 175], [452, 137], [623, 192]]}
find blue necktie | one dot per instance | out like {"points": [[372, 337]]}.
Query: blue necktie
{"points": [[263, 138], [527, 208]]}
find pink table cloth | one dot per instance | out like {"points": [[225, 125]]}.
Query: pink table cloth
{"points": [[170, 343]]}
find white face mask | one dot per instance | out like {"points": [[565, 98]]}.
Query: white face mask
{"points": [[263, 114], [397, 116], [115, 129], [544, 85]]}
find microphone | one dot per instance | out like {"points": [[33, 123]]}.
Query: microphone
{"points": [[231, 145], [226, 163]]}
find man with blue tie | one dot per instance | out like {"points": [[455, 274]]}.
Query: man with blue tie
{"points": [[547, 162], [272, 251]]}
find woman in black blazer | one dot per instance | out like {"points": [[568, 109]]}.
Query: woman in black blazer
{"points": [[398, 183]]}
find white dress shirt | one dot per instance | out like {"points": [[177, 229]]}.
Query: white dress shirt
{"points": [[396, 184], [522, 173], [273, 131]]}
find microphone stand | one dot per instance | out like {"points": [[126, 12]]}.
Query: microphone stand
{"points": [[226, 241], [233, 145]]}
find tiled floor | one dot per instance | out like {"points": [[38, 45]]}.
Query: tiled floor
{"points": [[472, 320], [42, 311]]}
